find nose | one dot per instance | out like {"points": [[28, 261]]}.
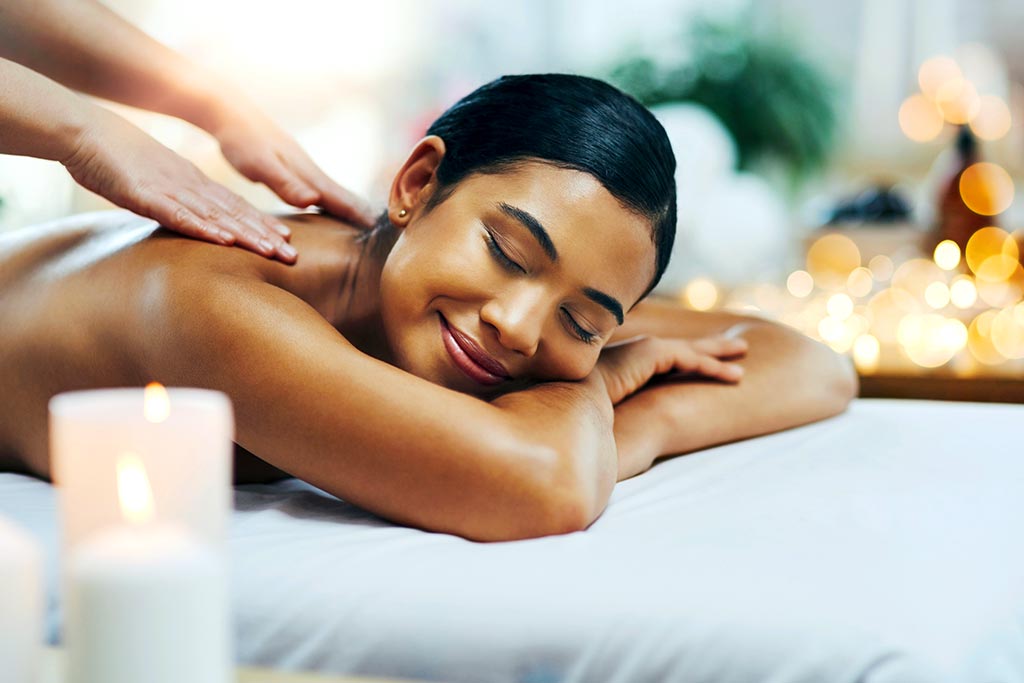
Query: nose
{"points": [[517, 317]]}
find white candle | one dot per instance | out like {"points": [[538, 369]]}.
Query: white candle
{"points": [[21, 605], [147, 600], [144, 480], [147, 603], [183, 437]]}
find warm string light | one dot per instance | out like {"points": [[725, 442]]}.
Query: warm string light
{"points": [[948, 96], [928, 310], [701, 294]]}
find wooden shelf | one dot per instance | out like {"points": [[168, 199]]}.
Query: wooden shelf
{"points": [[943, 388]]}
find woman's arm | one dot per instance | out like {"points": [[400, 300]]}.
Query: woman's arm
{"points": [[89, 48], [537, 462], [789, 380]]}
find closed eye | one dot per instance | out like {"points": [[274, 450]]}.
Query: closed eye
{"points": [[584, 335], [510, 265], [501, 256]]}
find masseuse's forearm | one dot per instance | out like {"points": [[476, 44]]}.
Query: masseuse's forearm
{"points": [[574, 421], [789, 380], [38, 118], [87, 47]]}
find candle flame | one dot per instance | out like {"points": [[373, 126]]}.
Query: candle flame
{"points": [[133, 490], [156, 404]]}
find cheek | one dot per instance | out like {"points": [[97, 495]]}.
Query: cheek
{"points": [[570, 361]]}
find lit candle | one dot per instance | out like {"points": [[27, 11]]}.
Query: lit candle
{"points": [[147, 600], [21, 605], [182, 436]]}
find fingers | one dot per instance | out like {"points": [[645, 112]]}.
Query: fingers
{"points": [[273, 172], [221, 217], [296, 174], [180, 219], [257, 231], [345, 204], [703, 357]]}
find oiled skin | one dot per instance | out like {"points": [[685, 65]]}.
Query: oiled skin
{"points": [[78, 301], [108, 300]]}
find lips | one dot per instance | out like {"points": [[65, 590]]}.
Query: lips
{"points": [[470, 358]]}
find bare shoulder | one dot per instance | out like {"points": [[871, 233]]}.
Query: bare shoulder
{"points": [[311, 404]]}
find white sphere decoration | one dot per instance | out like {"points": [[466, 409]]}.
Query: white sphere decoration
{"points": [[731, 226], [704, 150], [741, 234], [705, 153]]}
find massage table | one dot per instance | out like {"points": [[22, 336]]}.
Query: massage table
{"points": [[884, 545]]}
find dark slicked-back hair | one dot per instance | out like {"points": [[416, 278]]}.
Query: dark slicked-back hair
{"points": [[571, 122]]}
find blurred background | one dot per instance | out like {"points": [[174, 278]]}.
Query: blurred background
{"points": [[848, 168]]}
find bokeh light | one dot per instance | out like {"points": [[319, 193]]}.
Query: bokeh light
{"points": [[839, 306], [962, 292], [935, 73], [947, 255], [915, 275], [800, 283], [860, 283], [885, 311], [1001, 293], [979, 340], [701, 294], [936, 295], [831, 259], [958, 101], [987, 243], [920, 119], [993, 120], [1007, 332], [866, 352], [881, 267], [930, 339], [986, 188]]}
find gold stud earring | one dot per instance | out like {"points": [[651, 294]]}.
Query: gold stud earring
{"points": [[403, 213]]}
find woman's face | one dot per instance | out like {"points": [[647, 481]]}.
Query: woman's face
{"points": [[533, 267]]}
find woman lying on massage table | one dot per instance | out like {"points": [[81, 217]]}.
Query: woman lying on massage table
{"points": [[451, 369]]}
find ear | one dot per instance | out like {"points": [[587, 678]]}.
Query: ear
{"points": [[416, 181]]}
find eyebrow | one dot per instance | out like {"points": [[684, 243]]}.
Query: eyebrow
{"points": [[542, 237], [609, 302]]}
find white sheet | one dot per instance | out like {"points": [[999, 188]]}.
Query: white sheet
{"points": [[884, 545]]}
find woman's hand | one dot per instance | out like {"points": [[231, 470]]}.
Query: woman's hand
{"points": [[120, 162], [628, 365], [264, 153], [641, 421]]}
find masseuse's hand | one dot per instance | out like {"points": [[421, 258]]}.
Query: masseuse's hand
{"points": [[630, 364], [120, 162], [264, 153]]}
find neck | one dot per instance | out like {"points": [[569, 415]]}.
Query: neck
{"points": [[338, 274], [357, 314]]}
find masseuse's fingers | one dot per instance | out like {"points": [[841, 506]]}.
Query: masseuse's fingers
{"points": [[333, 197], [121, 163], [203, 216], [264, 153]]}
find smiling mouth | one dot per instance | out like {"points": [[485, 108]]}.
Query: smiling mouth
{"points": [[462, 359]]}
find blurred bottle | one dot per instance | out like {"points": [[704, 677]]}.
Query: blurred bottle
{"points": [[954, 220]]}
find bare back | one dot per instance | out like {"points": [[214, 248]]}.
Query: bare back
{"points": [[82, 298]]}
